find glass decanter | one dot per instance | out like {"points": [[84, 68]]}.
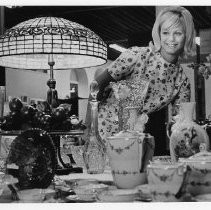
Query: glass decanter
{"points": [[94, 149]]}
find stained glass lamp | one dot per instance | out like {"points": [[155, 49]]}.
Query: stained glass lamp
{"points": [[28, 44], [51, 41]]}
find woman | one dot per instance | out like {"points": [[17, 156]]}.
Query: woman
{"points": [[173, 36]]}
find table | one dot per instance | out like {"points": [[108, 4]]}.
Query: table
{"points": [[55, 135], [105, 177]]}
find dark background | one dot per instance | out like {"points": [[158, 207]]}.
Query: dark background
{"points": [[126, 25]]}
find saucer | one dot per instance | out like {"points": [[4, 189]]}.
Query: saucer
{"points": [[80, 182], [35, 195], [203, 198], [88, 192], [144, 192], [118, 195], [90, 188], [78, 199]]}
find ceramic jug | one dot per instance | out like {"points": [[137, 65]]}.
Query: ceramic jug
{"points": [[129, 153], [130, 150], [186, 135]]}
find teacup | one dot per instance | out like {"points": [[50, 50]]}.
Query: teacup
{"points": [[166, 180]]}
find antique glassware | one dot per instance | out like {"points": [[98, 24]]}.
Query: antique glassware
{"points": [[186, 135], [94, 148], [130, 96]]}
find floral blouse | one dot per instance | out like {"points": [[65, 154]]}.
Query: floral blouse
{"points": [[167, 84]]}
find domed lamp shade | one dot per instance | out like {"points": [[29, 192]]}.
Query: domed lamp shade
{"points": [[28, 44], [50, 41]]}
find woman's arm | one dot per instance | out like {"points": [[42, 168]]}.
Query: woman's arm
{"points": [[103, 80], [117, 70]]}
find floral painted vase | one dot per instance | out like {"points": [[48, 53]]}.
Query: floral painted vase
{"points": [[186, 135]]}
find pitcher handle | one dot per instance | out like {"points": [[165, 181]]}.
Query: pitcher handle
{"points": [[183, 186], [141, 150], [147, 152]]}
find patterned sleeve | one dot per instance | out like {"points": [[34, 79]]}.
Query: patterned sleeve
{"points": [[183, 95], [123, 65]]}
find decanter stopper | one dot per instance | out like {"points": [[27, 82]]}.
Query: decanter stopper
{"points": [[94, 89]]}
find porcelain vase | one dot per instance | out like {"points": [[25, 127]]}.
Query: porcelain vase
{"points": [[186, 135]]}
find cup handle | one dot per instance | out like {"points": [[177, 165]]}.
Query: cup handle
{"points": [[147, 153], [141, 151]]}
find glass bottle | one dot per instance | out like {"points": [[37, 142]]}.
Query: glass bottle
{"points": [[94, 150]]}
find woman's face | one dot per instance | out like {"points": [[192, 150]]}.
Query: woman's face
{"points": [[172, 40]]}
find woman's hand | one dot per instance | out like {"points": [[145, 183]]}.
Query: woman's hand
{"points": [[121, 91]]}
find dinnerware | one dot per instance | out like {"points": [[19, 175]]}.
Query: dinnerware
{"points": [[166, 180], [78, 182], [31, 195], [89, 191], [200, 172], [203, 198], [34, 157], [90, 188], [144, 192], [49, 193], [118, 195], [129, 152], [80, 199]]}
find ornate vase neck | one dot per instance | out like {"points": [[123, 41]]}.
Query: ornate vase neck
{"points": [[188, 110]]}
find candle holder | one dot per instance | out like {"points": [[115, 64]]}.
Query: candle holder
{"points": [[52, 94]]}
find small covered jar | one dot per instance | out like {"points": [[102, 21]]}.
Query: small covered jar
{"points": [[199, 180]]}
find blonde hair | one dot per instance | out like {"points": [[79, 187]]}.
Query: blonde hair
{"points": [[176, 16]]}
